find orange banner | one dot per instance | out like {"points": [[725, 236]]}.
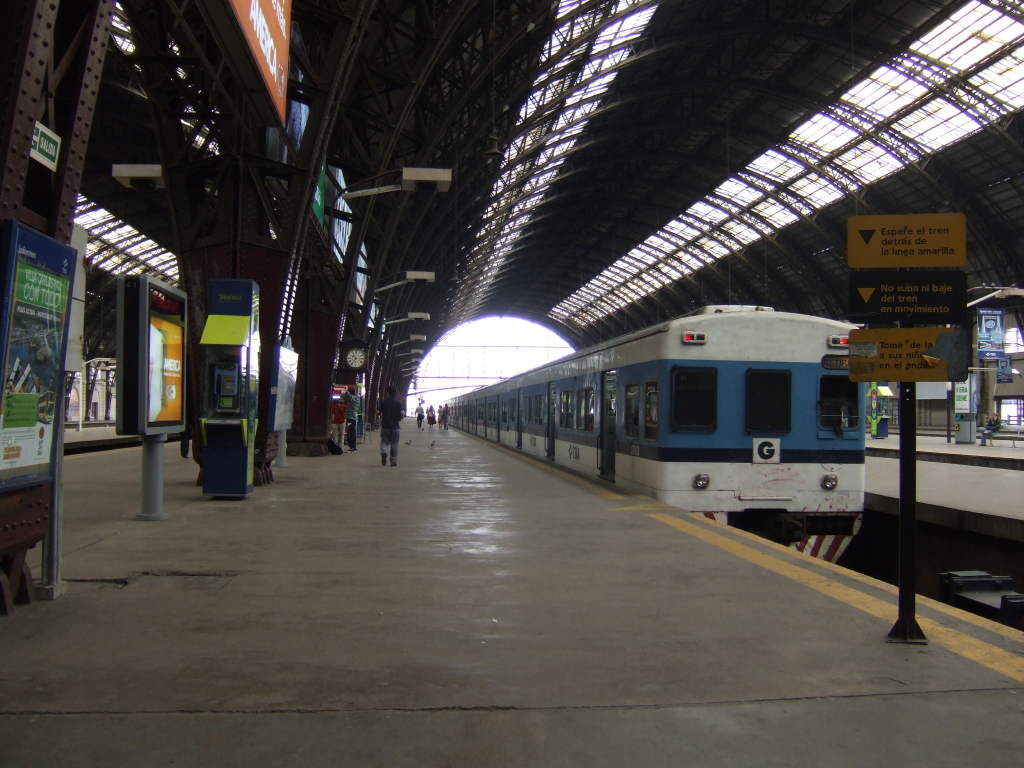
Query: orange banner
{"points": [[266, 25]]}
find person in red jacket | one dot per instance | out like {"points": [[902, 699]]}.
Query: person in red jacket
{"points": [[339, 412]]}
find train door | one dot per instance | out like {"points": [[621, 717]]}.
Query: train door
{"points": [[517, 418], [552, 418], [608, 396]]}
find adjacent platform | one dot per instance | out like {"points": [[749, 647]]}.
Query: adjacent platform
{"points": [[472, 607]]}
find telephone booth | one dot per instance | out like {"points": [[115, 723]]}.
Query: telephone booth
{"points": [[228, 418]]}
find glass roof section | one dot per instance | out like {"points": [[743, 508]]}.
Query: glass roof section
{"points": [[120, 249], [966, 73], [579, 62]]}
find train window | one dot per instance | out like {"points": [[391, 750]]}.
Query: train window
{"points": [[566, 414], [837, 404], [632, 414], [538, 409], [585, 409], [768, 401], [492, 413], [651, 410], [694, 399]]}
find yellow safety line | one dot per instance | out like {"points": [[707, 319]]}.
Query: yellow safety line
{"points": [[996, 659]]}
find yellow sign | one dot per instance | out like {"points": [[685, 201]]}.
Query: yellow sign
{"points": [[906, 240], [899, 354]]}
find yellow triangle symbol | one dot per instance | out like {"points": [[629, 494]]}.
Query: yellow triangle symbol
{"points": [[934, 362], [866, 293]]}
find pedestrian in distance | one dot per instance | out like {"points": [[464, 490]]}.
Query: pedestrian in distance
{"points": [[419, 417], [351, 415], [391, 413], [339, 418], [442, 417], [431, 417]]}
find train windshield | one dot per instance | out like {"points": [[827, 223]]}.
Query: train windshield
{"points": [[768, 401], [838, 404], [694, 398]]}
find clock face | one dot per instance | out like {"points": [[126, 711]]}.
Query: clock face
{"points": [[355, 357]]}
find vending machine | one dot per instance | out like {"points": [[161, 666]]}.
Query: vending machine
{"points": [[228, 411]]}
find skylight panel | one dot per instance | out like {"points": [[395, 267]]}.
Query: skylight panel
{"points": [[738, 191], [775, 213], [869, 162], [885, 92], [817, 190], [706, 212], [969, 36], [1004, 81], [684, 230], [741, 231], [937, 124], [714, 247], [776, 166], [824, 134]]}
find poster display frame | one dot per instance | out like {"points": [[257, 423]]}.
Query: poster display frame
{"points": [[39, 275], [139, 321]]}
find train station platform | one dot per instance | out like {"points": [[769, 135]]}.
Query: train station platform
{"points": [[472, 607], [965, 487]]}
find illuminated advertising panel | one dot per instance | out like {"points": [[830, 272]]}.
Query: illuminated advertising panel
{"points": [[166, 359], [266, 25], [38, 272]]}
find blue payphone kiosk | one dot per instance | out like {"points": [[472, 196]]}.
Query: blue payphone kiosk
{"points": [[231, 343]]}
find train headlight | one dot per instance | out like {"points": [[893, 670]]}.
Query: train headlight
{"points": [[701, 481], [829, 482]]}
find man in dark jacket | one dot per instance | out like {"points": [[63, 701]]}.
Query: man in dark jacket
{"points": [[391, 413]]}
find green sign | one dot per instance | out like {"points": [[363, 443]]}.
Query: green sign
{"points": [[45, 146], [41, 288], [320, 193], [21, 410]]}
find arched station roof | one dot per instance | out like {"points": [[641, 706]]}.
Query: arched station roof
{"points": [[615, 162]]}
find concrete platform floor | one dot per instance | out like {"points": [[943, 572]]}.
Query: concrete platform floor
{"points": [[472, 608]]}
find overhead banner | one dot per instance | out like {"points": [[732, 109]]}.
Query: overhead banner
{"points": [[990, 334], [266, 25]]}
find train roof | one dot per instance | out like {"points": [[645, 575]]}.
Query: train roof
{"points": [[707, 316]]}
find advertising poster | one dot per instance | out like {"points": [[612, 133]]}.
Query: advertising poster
{"points": [[1004, 370], [166, 364], [962, 397], [990, 333], [284, 391], [33, 353]]}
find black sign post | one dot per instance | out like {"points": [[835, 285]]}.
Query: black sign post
{"points": [[906, 628]]}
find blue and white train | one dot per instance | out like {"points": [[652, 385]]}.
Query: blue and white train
{"points": [[739, 412]]}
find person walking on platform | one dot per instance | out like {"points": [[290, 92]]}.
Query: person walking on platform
{"points": [[352, 413], [442, 417], [419, 416], [339, 409], [391, 413], [431, 417]]}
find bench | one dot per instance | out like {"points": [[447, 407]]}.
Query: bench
{"points": [[1013, 434]]}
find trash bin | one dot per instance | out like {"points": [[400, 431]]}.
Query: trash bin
{"points": [[965, 429], [882, 430]]}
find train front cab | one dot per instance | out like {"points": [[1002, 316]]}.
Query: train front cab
{"points": [[775, 448]]}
